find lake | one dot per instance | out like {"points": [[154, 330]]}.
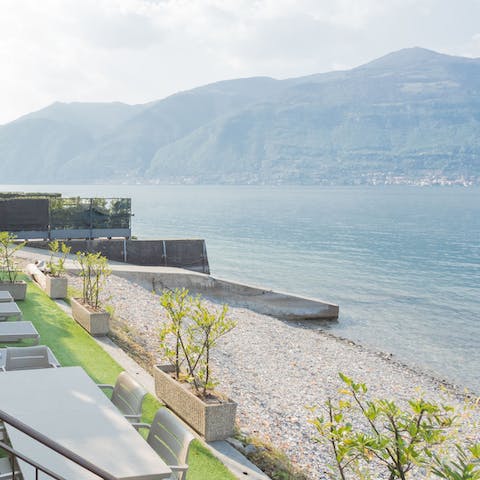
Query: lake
{"points": [[402, 262]]}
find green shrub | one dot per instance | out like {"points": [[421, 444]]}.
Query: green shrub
{"points": [[56, 265], [8, 265], [187, 339], [94, 271]]}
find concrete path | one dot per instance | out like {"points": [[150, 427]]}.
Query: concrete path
{"points": [[32, 254], [238, 464]]}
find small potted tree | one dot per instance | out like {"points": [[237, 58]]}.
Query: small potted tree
{"points": [[8, 267], [186, 384], [51, 278], [87, 310]]}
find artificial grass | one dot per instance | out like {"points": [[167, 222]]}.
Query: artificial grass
{"points": [[72, 345]]}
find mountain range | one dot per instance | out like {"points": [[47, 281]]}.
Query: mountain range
{"points": [[412, 116]]}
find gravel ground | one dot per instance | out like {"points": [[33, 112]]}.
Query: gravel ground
{"points": [[274, 369]]}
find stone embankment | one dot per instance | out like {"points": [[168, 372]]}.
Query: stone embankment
{"points": [[274, 369]]}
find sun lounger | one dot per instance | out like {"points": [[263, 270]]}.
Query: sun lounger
{"points": [[16, 331], [9, 310], [5, 296], [27, 358]]}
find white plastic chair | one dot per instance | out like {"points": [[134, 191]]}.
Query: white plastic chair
{"points": [[171, 440], [127, 396], [28, 358]]}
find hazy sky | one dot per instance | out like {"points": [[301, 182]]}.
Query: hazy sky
{"points": [[135, 51]]}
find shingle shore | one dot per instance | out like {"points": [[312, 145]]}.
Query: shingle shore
{"points": [[274, 369]]}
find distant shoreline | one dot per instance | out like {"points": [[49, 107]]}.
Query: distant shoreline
{"points": [[416, 183]]}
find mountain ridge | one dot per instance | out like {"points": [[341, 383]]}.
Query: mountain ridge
{"points": [[411, 116]]}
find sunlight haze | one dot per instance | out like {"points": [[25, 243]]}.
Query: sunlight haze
{"points": [[136, 51]]}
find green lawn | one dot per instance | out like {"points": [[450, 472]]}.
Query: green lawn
{"points": [[73, 346]]}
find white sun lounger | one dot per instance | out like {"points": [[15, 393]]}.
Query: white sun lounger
{"points": [[9, 310], [16, 331], [5, 296]]}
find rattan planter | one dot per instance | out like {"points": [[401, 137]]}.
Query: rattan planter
{"points": [[214, 421], [95, 323], [18, 290]]}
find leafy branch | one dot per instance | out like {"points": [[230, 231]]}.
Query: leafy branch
{"points": [[399, 441]]}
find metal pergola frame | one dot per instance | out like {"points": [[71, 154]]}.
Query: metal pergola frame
{"points": [[88, 219]]}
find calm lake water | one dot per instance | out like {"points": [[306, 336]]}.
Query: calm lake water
{"points": [[403, 263]]}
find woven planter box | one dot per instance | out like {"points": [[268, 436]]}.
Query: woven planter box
{"points": [[214, 421], [18, 290], [95, 323]]}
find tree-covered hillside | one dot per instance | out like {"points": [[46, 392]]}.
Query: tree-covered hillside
{"points": [[411, 116]]}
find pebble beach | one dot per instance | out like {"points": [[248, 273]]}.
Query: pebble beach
{"points": [[274, 370]]}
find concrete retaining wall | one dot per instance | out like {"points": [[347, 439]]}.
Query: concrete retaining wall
{"points": [[190, 254], [268, 302]]}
